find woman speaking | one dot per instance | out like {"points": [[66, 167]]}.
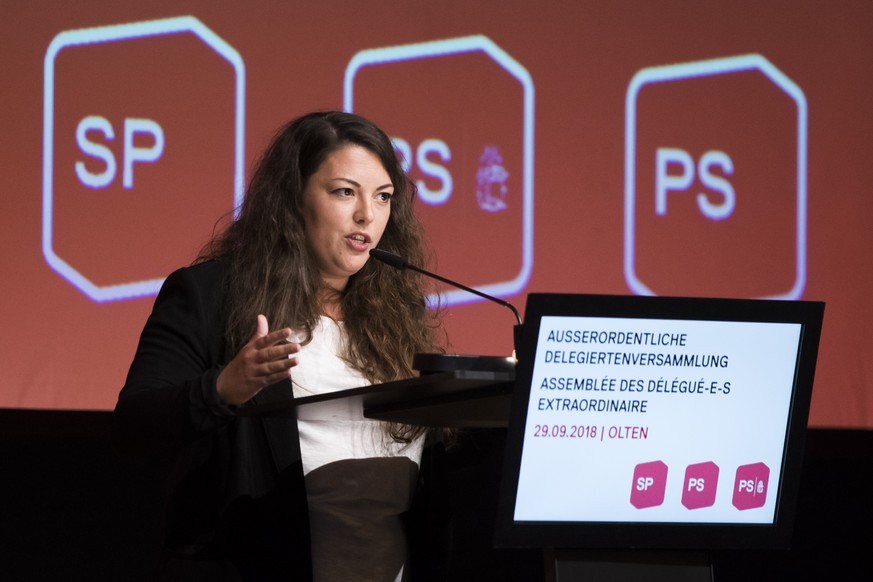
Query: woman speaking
{"points": [[284, 303]]}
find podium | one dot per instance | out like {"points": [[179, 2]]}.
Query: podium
{"points": [[592, 434]]}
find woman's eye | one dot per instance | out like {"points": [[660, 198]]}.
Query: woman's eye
{"points": [[385, 196], [344, 191]]}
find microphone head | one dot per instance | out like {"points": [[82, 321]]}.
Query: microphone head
{"points": [[389, 258]]}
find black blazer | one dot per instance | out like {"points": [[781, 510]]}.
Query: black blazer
{"points": [[236, 491], [236, 497]]}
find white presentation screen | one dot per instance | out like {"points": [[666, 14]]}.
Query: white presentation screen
{"points": [[656, 420]]}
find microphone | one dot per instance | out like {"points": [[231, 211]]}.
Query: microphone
{"points": [[401, 263]]}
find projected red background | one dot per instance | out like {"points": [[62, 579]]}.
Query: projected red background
{"points": [[519, 139]]}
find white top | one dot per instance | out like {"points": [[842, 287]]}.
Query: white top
{"points": [[358, 480]]}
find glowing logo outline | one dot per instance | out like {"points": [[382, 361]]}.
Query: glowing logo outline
{"points": [[113, 33], [685, 71], [455, 46]]}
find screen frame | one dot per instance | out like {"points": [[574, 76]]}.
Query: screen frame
{"points": [[661, 535]]}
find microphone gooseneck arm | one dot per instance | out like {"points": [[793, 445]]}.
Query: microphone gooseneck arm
{"points": [[401, 263]]}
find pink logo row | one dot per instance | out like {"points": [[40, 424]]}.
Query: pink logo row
{"points": [[700, 485]]}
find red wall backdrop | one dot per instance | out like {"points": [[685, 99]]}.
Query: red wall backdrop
{"points": [[531, 127]]}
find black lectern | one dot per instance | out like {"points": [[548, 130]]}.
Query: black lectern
{"points": [[642, 431]]}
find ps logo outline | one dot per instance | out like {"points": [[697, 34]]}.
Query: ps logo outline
{"points": [[116, 33], [699, 69], [455, 46]]}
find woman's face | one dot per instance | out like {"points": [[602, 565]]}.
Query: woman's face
{"points": [[346, 204]]}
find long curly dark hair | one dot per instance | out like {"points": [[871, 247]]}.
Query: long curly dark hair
{"points": [[271, 269]]}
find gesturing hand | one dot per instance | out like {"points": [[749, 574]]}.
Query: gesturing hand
{"points": [[264, 360]]}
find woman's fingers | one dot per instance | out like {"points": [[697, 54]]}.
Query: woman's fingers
{"points": [[264, 360]]}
